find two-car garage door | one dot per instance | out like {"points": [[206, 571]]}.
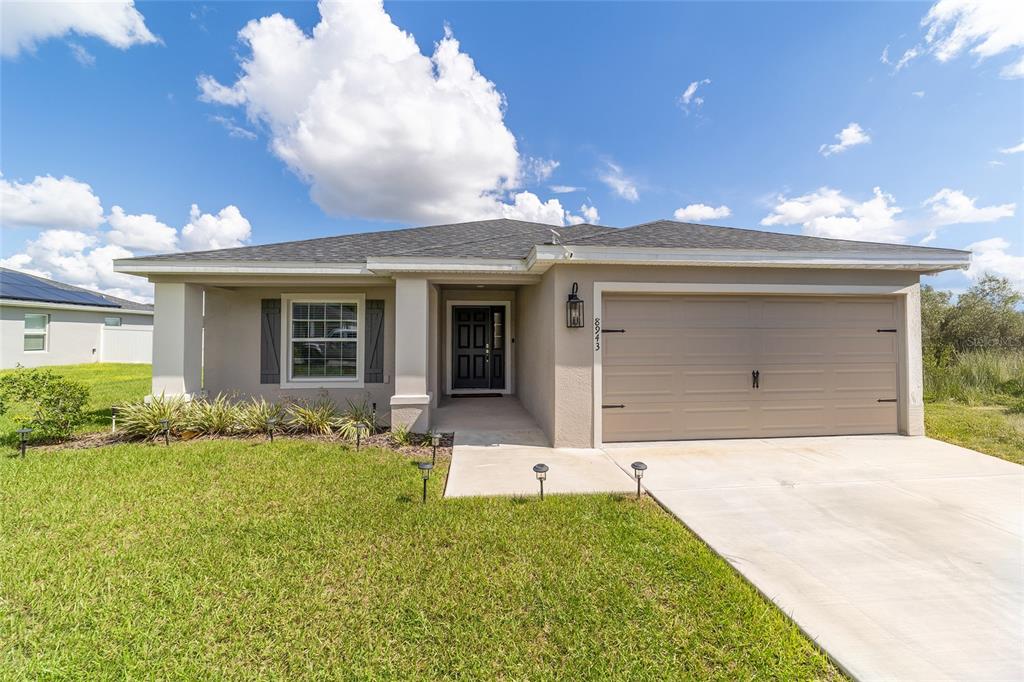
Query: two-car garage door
{"points": [[683, 367]]}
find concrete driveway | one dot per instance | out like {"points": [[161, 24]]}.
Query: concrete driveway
{"points": [[903, 557]]}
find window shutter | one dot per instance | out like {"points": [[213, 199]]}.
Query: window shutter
{"points": [[373, 371], [270, 341]]}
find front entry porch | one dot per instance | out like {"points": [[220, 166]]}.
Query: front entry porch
{"points": [[497, 443]]}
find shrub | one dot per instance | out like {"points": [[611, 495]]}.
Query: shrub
{"points": [[402, 435], [978, 377], [357, 413], [317, 417], [55, 405], [216, 418], [252, 416], [143, 419]]}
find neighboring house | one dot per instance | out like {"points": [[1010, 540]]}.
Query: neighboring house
{"points": [[687, 331], [43, 322]]}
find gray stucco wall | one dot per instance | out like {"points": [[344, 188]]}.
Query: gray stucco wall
{"points": [[537, 312], [73, 337], [231, 347]]}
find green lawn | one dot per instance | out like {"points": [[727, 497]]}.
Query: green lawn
{"points": [[992, 429], [243, 559], [109, 383]]}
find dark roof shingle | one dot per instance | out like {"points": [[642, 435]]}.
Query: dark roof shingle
{"points": [[21, 286], [505, 238]]}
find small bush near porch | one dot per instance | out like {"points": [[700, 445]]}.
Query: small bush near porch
{"points": [[223, 558]]}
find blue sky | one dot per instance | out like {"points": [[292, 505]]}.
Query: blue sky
{"points": [[145, 109]]}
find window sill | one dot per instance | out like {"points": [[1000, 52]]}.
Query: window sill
{"points": [[340, 383]]}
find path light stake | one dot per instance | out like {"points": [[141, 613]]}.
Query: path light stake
{"points": [[425, 468], [542, 473], [271, 423], [638, 472], [361, 428], [373, 416], [166, 423], [435, 440], [23, 439], [113, 419]]}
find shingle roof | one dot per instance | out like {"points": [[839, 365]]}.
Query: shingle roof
{"points": [[501, 238], [505, 238], [677, 235], [21, 286]]}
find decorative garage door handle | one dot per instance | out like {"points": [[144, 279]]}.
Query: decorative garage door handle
{"points": [[756, 378]]}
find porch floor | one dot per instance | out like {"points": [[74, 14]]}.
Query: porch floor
{"points": [[497, 443]]}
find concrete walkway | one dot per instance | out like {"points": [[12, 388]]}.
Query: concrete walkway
{"points": [[497, 443], [903, 557]]}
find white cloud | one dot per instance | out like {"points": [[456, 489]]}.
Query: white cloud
{"points": [[539, 170], [616, 179], [996, 162], [985, 28], [74, 257], [82, 55], [990, 256], [1017, 149], [143, 232], [565, 189], [376, 128], [885, 55], [918, 93], [588, 214], [929, 238], [952, 206], [234, 130], [827, 213], [26, 24], [47, 202], [850, 136], [701, 212], [689, 96], [205, 231]]}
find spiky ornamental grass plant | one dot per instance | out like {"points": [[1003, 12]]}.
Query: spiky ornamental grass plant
{"points": [[317, 417], [256, 414], [356, 414], [145, 419], [217, 418]]}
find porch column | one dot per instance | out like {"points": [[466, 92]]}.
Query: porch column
{"points": [[177, 339], [410, 406], [912, 413]]}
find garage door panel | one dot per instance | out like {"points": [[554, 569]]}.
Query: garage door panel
{"points": [[646, 346], [679, 384], [682, 369]]}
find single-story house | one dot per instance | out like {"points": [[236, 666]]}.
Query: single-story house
{"points": [[43, 322], [660, 331]]}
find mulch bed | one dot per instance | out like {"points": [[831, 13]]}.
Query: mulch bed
{"points": [[381, 440]]}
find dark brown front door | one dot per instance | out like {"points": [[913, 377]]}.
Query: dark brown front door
{"points": [[478, 347]]}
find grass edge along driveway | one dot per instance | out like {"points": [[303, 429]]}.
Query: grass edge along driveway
{"points": [[237, 559]]}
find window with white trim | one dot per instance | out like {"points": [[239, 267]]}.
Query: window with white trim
{"points": [[36, 327], [324, 340], [112, 321]]}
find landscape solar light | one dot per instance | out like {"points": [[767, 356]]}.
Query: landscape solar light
{"points": [[271, 424], [638, 472], [23, 439], [542, 473], [113, 418], [166, 424], [435, 440], [361, 430], [425, 468]]}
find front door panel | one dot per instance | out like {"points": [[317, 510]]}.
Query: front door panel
{"points": [[471, 347]]}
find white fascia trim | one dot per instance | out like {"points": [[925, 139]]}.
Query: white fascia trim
{"points": [[238, 268], [400, 264], [63, 306], [747, 258]]}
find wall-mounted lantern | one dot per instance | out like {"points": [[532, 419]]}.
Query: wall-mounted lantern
{"points": [[574, 308]]}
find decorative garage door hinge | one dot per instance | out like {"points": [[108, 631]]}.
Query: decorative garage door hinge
{"points": [[613, 331], [612, 407], [887, 400], [887, 331]]}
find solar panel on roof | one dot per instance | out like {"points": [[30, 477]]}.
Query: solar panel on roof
{"points": [[21, 287]]}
